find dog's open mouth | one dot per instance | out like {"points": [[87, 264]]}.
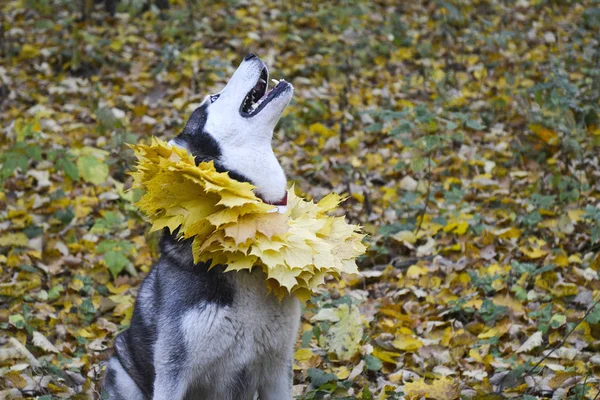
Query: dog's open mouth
{"points": [[258, 97]]}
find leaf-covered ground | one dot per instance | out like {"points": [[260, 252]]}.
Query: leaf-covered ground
{"points": [[465, 134]]}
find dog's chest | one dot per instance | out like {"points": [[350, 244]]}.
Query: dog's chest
{"points": [[254, 326]]}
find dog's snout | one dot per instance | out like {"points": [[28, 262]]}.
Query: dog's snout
{"points": [[250, 56]]}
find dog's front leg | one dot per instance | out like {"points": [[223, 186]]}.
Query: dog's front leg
{"points": [[169, 381], [168, 385], [278, 383]]}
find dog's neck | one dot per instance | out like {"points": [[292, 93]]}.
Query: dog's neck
{"points": [[260, 167], [256, 164]]}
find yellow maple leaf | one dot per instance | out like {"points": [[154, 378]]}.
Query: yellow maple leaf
{"points": [[457, 226], [14, 239], [534, 249], [321, 130], [303, 354], [407, 342], [387, 356], [439, 389], [508, 233], [547, 135], [231, 225], [564, 289]]}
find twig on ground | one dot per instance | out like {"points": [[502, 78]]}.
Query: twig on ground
{"points": [[531, 370], [410, 261], [424, 210]]}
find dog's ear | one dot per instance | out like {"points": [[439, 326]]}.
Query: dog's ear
{"points": [[195, 124], [193, 138]]}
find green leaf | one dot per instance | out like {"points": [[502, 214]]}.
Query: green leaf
{"points": [[87, 307], [110, 221], [373, 363], [69, 168], [520, 293], [54, 292], [123, 246], [318, 378], [34, 152], [532, 219], [490, 312], [450, 125], [17, 321], [92, 170], [423, 114], [116, 262], [474, 124], [106, 118], [33, 231], [65, 216], [344, 335], [374, 128], [306, 338], [432, 142], [594, 316], [557, 321], [543, 201], [11, 162], [404, 126], [454, 195], [591, 16]]}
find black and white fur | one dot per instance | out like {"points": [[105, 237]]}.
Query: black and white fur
{"points": [[204, 334]]}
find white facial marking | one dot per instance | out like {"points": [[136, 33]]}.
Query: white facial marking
{"points": [[245, 138]]}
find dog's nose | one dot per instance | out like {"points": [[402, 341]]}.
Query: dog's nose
{"points": [[250, 56]]}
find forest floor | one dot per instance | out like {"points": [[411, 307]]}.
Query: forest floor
{"points": [[465, 135]]}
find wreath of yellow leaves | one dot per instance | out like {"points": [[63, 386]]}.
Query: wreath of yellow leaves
{"points": [[232, 226]]}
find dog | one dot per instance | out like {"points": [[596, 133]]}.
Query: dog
{"points": [[200, 333]]}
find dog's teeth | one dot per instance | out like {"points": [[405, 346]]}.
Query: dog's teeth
{"points": [[275, 81]]}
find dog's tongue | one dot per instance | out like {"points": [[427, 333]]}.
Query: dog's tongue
{"points": [[261, 86]]}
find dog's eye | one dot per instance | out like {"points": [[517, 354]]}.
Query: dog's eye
{"points": [[214, 98]]}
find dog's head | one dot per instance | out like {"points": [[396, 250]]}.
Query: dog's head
{"points": [[235, 126]]}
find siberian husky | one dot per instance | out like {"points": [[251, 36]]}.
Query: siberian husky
{"points": [[205, 334]]}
